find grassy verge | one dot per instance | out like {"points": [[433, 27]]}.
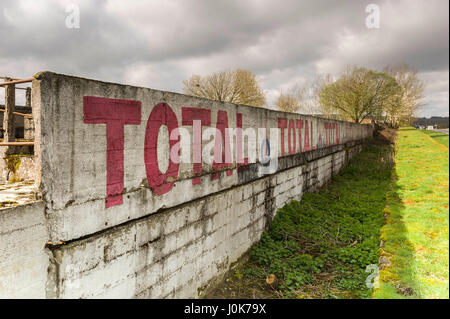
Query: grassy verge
{"points": [[439, 137], [320, 247], [416, 237]]}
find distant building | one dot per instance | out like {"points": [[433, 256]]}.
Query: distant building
{"points": [[436, 121]]}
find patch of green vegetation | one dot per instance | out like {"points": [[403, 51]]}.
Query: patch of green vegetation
{"points": [[439, 137], [416, 235], [320, 247], [13, 163], [14, 179]]}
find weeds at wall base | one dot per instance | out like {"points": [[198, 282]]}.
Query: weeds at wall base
{"points": [[320, 247]]}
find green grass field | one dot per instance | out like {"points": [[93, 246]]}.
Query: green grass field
{"points": [[416, 236], [439, 137]]}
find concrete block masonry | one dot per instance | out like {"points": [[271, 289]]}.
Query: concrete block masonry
{"points": [[23, 259], [134, 223]]}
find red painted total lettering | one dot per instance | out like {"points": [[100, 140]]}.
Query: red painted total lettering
{"points": [[116, 113]]}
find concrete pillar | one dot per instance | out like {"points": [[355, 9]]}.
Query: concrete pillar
{"points": [[8, 127], [28, 97], [28, 122], [8, 116]]}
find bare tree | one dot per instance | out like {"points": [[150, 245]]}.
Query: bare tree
{"points": [[314, 106], [410, 100], [235, 86], [303, 97], [288, 102]]}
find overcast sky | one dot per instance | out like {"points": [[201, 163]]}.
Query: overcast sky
{"points": [[158, 44]]}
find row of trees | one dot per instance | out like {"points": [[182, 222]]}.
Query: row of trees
{"points": [[392, 96]]}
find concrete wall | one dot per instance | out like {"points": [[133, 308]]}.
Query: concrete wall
{"points": [[177, 252], [23, 258], [129, 222]]}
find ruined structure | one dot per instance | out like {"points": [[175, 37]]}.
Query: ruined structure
{"points": [[114, 214]]}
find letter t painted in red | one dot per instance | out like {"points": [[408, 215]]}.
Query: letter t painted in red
{"points": [[115, 114]]}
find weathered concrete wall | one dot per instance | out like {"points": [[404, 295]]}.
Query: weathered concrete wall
{"points": [[23, 258], [177, 252], [74, 152], [132, 222]]}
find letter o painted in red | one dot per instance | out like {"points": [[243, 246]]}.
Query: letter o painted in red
{"points": [[162, 114]]}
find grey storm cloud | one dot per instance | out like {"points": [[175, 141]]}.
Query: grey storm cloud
{"points": [[160, 43]]}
